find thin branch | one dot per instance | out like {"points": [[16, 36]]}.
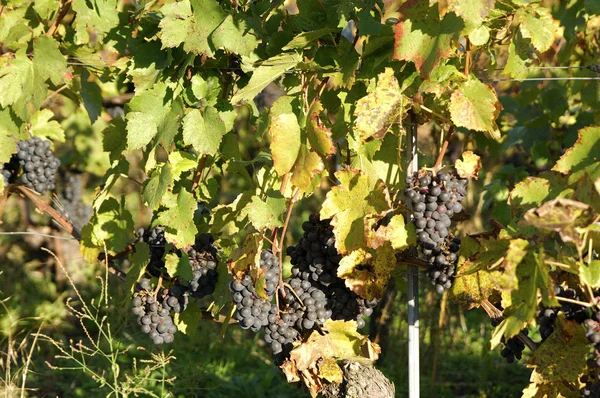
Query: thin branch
{"points": [[282, 240], [577, 302], [440, 158], [468, 57], [61, 14], [199, 171], [46, 208], [54, 93]]}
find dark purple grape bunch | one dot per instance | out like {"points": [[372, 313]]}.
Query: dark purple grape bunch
{"points": [[434, 200], [154, 313], [513, 348], [592, 381], [10, 170], [76, 211], [252, 311], [39, 164], [203, 260], [315, 257], [281, 330], [155, 238], [546, 317]]}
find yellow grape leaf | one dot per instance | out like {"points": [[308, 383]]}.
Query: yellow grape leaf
{"points": [[469, 166], [561, 358], [246, 257], [377, 111], [367, 273], [349, 203], [474, 105], [318, 134]]}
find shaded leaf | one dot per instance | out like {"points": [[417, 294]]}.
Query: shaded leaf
{"points": [[561, 215], [179, 266], [307, 166], [536, 23]]}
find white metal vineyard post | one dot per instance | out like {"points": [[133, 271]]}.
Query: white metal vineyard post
{"points": [[413, 290]]}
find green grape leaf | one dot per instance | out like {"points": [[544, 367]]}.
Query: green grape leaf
{"points": [[378, 110], [474, 105], [349, 203], [304, 39], [21, 86], [187, 321], [516, 65], [115, 138], [151, 116], [480, 36], [204, 131], [284, 131], [585, 152], [91, 95], [234, 36], [179, 266], [155, 188], [268, 71], [307, 166], [536, 23], [42, 126], [317, 133], [111, 225], [98, 17], [564, 216], [421, 38], [190, 23], [45, 8], [559, 361], [590, 274], [181, 162], [266, 213], [222, 294], [178, 220], [473, 12], [48, 61], [367, 273], [8, 146], [139, 261]]}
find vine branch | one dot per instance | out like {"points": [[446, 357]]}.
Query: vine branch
{"points": [[61, 14]]}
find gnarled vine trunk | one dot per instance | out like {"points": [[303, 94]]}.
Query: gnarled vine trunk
{"points": [[360, 380]]}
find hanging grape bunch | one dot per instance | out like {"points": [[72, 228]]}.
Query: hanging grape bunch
{"points": [[38, 163], [252, 311], [203, 260], [70, 201], [154, 313], [433, 201]]}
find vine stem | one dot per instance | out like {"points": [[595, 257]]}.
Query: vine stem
{"points": [[568, 300], [294, 293], [46, 208], [468, 57], [440, 158], [61, 14], [199, 171], [282, 239]]}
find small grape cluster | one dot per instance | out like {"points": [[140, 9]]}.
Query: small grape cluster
{"points": [[74, 208], [252, 311], [10, 170], [203, 259], [39, 164], [546, 317], [154, 313], [434, 200], [155, 238], [513, 348]]}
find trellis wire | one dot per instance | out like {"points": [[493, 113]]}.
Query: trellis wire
{"points": [[413, 290]]}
